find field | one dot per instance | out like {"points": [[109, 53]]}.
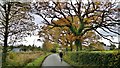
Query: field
{"points": [[22, 58]]}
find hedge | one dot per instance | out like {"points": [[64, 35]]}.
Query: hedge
{"points": [[95, 59]]}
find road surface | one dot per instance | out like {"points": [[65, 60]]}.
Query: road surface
{"points": [[53, 61]]}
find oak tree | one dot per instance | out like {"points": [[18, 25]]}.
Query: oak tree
{"points": [[79, 17]]}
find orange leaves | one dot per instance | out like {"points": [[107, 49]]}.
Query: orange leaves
{"points": [[97, 3], [87, 20], [67, 21], [60, 5], [70, 37], [75, 19], [55, 33], [49, 27], [76, 25], [65, 28], [97, 45], [62, 21], [89, 34], [90, 19], [48, 46], [94, 17]]}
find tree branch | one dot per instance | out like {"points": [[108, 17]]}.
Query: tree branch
{"points": [[112, 31], [105, 37]]}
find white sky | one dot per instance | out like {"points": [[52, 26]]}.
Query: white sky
{"points": [[33, 39]]}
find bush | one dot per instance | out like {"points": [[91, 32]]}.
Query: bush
{"points": [[95, 58], [53, 50]]}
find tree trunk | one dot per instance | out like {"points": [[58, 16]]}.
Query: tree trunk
{"points": [[119, 45], [78, 44], [77, 48], [71, 46], [4, 54], [66, 49]]}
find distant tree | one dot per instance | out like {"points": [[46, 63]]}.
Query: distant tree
{"points": [[15, 23], [112, 47], [47, 46], [119, 45], [96, 46], [79, 17]]}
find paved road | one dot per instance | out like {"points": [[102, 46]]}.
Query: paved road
{"points": [[53, 61]]}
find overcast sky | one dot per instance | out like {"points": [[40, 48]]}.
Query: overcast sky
{"points": [[33, 39]]}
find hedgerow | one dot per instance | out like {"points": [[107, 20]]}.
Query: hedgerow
{"points": [[94, 59]]}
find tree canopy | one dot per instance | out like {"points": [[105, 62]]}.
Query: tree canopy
{"points": [[79, 17]]}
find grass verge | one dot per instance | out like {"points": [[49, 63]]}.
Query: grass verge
{"points": [[38, 62]]}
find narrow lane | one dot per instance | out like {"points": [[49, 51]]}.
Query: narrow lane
{"points": [[53, 61]]}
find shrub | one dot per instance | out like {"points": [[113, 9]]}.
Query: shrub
{"points": [[95, 58], [53, 50]]}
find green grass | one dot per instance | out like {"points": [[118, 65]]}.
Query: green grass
{"points": [[38, 62]]}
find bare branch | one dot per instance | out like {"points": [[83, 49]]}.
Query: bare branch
{"points": [[113, 19], [74, 8], [112, 31], [62, 13], [48, 23], [105, 37], [105, 30]]}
